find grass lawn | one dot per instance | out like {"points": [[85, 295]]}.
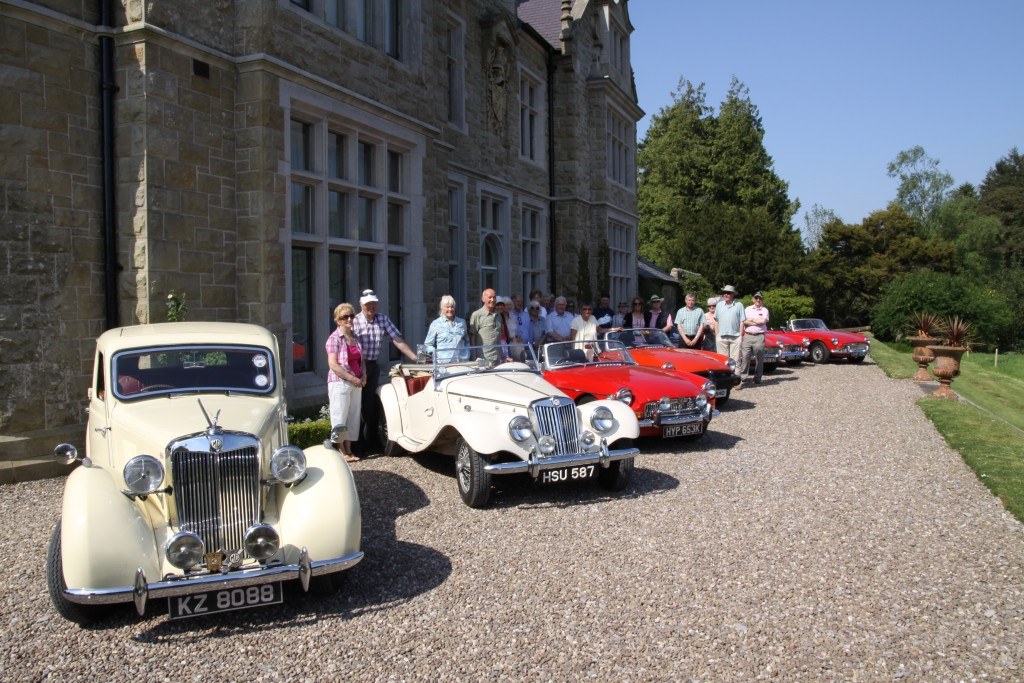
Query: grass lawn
{"points": [[990, 446]]}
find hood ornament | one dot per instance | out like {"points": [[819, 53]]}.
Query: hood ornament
{"points": [[212, 427]]}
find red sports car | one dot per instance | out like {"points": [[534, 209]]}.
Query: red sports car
{"points": [[652, 349], [793, 347], [826, 343], [666, 403]]}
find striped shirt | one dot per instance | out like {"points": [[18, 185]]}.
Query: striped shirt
{"points": [[690, 319]]}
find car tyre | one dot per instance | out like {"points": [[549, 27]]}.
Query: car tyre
{"points": [[473, 480], [819, 354], [616, 476], [72, 611], [388, 448], [857, 359]]}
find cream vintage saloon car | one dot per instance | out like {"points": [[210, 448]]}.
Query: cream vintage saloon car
{"points": [[490, 407], [188, 489]]}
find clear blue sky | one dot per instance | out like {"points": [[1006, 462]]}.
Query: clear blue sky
{"points": [[843, 87]]}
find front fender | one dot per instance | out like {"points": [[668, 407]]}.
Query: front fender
{"points": [[626, 425], [389, 404], [105, 537], [321, 513]]}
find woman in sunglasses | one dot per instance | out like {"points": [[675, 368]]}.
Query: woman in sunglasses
{"points": [[345, 381], [635, 317]]}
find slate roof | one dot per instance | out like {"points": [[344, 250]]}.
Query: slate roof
{"points": [[545, 16]]}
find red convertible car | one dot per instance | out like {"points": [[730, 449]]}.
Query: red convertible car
{"points": [[793, 347], [826, 343], [665, 404], [652, 349]]}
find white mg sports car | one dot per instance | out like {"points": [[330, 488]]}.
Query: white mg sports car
{"points": [[490, 408]]}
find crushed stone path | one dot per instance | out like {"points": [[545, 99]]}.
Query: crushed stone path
{"points": [[822, 530]]}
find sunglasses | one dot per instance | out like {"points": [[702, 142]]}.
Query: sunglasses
{"points": [[347, 316]]}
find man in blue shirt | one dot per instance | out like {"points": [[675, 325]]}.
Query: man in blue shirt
{"points": [[730, 314]]}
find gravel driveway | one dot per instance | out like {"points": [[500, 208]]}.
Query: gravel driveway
{"points": [[822, 530]]}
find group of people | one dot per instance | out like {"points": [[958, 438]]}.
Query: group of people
{"points": [[505, 325]]}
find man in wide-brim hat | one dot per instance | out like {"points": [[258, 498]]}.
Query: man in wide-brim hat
{"points": [[729, 315]]}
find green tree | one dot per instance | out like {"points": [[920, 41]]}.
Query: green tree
{"points": [[708, 196], [853, 263], [1001, 196], [922, 185]]}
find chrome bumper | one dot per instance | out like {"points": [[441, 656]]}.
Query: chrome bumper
{"points": [[142, 591], [660, 421], [535, 464], [793, 355]]}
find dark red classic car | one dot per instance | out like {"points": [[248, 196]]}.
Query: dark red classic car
{"points": [[653, 349], [825, 343], [793, 347], [666, 403]]}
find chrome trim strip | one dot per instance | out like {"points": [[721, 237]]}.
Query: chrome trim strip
{"points": [[211, 582]]}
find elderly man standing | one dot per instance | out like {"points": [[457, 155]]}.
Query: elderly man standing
{"points": [[690, 323], [485, 326], [729, 314], [755, 324], [370, 327], [559, 322]]}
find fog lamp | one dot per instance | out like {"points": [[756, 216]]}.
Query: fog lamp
{"points": [[546, 444], [185, 550], [288, 464], [261, 542]]}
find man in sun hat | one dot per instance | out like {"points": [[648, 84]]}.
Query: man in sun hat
{"points": [[729, 315]]}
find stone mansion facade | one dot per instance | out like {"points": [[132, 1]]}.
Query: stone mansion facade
{"points": [[269, 159]]}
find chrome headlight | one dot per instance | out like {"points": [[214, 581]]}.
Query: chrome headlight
{"points": [[520, 428], [288, 464], [668, 366], [732, 364], [665, 404], [623, 395], [709, 389], [143, 474], [807, 341], [835, 342], [602, 419], [261, 542], [185, 550], [546, 444], [702, 400]]}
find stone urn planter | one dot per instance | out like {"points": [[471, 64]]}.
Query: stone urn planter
{"points": [[945, 367], [922, 356]]}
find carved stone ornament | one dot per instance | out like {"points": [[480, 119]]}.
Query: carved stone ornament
{"points": [[499, 61]]}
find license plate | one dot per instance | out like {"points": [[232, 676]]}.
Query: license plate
{"points": [[567, 474], [224, 600], [682, 430], [719, 393]]}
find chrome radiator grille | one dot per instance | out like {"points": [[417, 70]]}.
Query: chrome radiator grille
{"points": [[676, 407], [217, 494], [558, 421]]}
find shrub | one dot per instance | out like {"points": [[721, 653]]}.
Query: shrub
{"points": [[306, 434], [784, 304], [948, 296]]}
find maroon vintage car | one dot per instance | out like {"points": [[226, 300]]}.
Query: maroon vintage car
{"points": [[667, 403], [825, 343]]}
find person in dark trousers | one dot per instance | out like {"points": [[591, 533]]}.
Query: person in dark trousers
{"points": [[370, 328]]}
